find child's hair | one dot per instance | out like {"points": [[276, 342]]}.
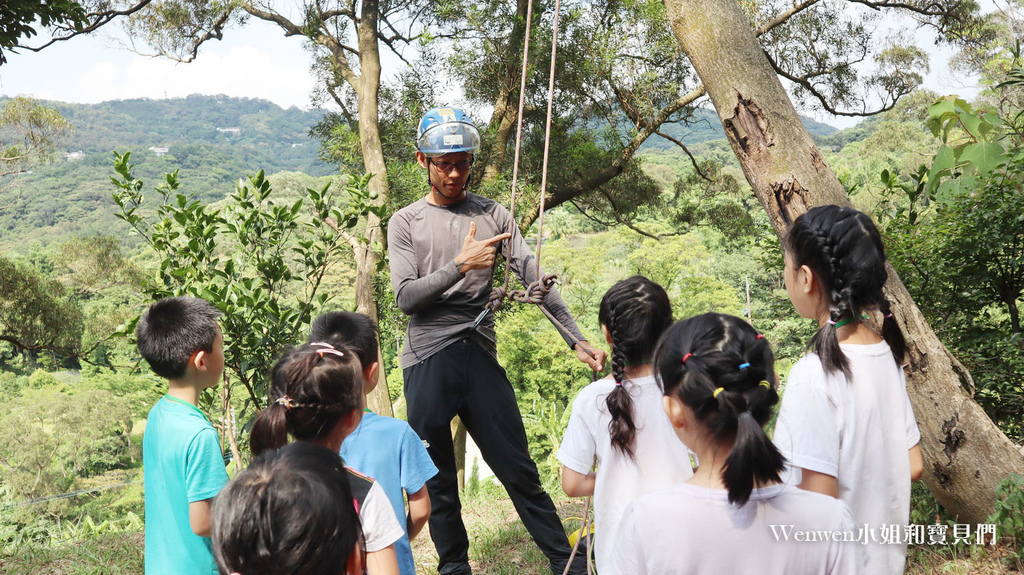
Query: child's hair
{"points": [[349, 329], [843, 248], [291, 512], [173, 329], [721, 368], [636, 311], [311, 389]]}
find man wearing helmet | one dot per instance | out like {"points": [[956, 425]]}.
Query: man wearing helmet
{"points": [[442, 249]]}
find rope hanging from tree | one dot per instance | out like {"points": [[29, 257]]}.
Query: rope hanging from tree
{"points": [[538, 290]]}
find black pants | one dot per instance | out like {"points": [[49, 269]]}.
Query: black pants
{"points": [[462, 379]]}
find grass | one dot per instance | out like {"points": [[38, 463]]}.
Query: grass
{"points": [[107, 554], [499, 545]]}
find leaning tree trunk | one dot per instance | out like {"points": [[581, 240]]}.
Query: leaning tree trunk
{"points": [[373, 159], [965, 453]]}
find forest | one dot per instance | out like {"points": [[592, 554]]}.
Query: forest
{"points": [[651, 173]]}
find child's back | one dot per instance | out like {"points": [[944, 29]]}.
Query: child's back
{"points": [[620, 421], [182, 464], [388, 450], [694, 530], [660, 459], [858, 431], [846, 424]]}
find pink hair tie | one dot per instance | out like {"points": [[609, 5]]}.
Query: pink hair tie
{"points": [[759, 336], [687, 356], [888, 315], [831, 322]]}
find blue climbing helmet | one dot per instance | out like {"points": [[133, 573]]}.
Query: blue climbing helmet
{"points": [[446, 131]]}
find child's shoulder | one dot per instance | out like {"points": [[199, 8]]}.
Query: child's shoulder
{"points": [[385, 425]]}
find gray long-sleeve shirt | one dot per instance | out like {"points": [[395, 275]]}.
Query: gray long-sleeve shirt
{"points": [[423, 241]]}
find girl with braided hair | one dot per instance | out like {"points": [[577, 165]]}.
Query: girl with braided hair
{"points": [[618, 421], [846, 423], [734, 515], [316, 395]]}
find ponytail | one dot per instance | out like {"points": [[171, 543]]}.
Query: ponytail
{"points": [[754, 459], [892, 334], [622, 428], [269, 429], [636, 311], [311, 389], [721, 368]]}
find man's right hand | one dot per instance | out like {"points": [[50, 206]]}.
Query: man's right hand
{"points": [[477, 254]]}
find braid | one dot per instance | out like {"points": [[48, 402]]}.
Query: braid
{"points": [[622, 428], [635, 311]]}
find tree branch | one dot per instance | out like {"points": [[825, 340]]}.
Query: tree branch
{"points": [[693, 160], [807, 85], [99, 18]]}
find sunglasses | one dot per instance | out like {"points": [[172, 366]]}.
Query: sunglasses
{"points": [[447, 167]]}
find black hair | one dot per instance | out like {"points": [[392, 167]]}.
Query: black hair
{"points": [[173, 329], [843, 248], [722, 369], [290, 513], [345, 328], [311, 389], [636, 312]]}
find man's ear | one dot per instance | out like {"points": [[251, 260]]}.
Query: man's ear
{"points": [[422, 159]]}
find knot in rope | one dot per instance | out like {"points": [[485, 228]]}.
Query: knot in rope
{"points": [[536, 291], [497, 299]]}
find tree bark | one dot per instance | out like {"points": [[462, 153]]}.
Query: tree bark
{"points": [[367, 90], [966, 456]]}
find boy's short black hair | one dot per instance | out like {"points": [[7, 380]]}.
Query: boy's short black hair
{"points": [[345, 328], [173, 329]]}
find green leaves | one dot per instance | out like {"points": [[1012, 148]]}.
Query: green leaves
{"points": [[259, 259], [974, 145]]}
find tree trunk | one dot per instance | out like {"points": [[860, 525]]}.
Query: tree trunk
{"points": [[373, 159], [966, 456], [459, 442]]}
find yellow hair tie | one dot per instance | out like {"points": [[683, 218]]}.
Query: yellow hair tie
{"points": [[766, 384], [717, 391]]}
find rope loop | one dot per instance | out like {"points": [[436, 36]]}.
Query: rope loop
{"points": [[497, 299]]}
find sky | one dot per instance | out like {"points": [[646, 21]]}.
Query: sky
{"points": [[255, 61]]}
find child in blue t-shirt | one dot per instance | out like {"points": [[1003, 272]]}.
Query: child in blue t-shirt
{"points": [[384, 448], [183, 466]]}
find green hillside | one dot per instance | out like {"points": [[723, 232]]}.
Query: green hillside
{"points": [[212, 140]]}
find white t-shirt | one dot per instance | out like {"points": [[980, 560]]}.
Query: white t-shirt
{"points": [[693, 530], [661, 458], [380, 526], [858, 431]]}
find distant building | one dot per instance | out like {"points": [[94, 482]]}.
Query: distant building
{"points": [[298, 144], [74, 155], [232, 131], [161, 150]]}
